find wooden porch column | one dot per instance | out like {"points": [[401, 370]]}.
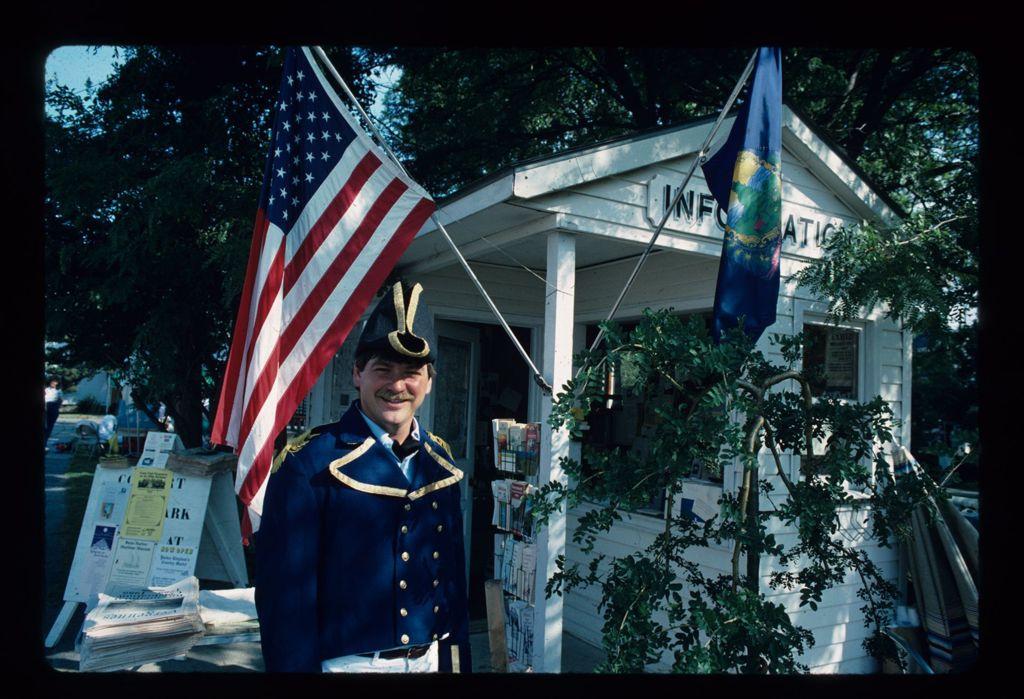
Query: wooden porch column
{"points": [[557, 368]]}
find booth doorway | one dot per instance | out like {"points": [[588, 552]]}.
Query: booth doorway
{"points": [[481, 376]]}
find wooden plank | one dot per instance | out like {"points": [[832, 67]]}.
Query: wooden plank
{"points": [[223, 560], [61, 624], [892, 339], [496, 625]]}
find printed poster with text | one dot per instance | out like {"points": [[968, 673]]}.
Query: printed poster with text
{"points": [[143, 524]]}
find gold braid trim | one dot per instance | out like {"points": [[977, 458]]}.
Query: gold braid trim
{"points": [[443, 483], [293, 446], [336, 466], [396, 293], [405, 320], [397, 345], [443, 444], [414, 300]]}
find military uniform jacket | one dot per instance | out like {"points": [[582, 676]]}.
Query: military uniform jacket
{"points": [[353, 558]]}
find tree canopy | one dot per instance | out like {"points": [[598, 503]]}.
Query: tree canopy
{"points": [[151, 189]]}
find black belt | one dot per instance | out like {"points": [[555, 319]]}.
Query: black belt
{"points": [[410, 652]]}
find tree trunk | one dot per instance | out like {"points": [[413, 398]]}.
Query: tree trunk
{"points": [[187, 410], [753, 555]]}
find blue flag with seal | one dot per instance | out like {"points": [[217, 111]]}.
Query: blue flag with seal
{"points": [[745, 177]]}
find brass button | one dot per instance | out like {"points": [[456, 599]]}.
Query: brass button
{"points": [[405, 555], [436, 583], [403, 584], [404, 612], [405, 638], [435, 637], [408, 507], [436, 555], [436, 609], [440, 528], [405, 529], [434, 504]]}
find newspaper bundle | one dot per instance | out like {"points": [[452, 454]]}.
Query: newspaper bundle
{"points": [[229, 615], [200, 462], [132, 626]]}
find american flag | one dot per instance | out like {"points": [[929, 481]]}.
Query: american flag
{"points": [[334, 216]]}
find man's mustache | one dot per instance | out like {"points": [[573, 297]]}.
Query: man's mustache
{"points": [[394, 397]]}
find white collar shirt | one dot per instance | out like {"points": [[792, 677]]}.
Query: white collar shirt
{"points": [[384, 438]]}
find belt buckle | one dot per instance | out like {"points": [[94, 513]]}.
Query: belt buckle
{"points": [[417, 651], [410, 652]]}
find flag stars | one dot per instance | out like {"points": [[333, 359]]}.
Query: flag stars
{"points": [[326, 135], [309, 177], [312, 97], [309, 157], [286, 126], [325, 156], [280, 172], [311, 116], [325, 116], [291, 80], [284, 214], [284, 105], [310, 137], [277, 152], [300, 74], [295, 180]]}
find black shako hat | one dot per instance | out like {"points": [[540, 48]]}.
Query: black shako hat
{"points": [[400, 327]]}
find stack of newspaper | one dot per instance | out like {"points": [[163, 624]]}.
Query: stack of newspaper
{"points": [[132, 626], [200, 462], [229, 615]]}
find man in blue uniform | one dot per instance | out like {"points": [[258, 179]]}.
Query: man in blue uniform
{"points": [[360, 558]]}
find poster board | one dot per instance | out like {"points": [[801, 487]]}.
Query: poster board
{"points": [[157, 448], [197, 535]]}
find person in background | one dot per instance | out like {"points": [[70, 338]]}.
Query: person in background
{"points": [[53, 398]]}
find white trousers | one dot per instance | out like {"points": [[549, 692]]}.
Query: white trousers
{"points": [[357, 663]]}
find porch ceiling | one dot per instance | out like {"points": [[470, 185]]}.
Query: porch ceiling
{"points": [[509, 235]]}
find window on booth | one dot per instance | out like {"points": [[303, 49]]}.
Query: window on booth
{"points": [[831, 360], [832, 364], [627, 417]]}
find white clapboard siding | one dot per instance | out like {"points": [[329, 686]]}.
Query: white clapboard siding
{"points": [[837, 624]]}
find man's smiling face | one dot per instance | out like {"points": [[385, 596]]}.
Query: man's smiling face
{"points": [[390, 393]]}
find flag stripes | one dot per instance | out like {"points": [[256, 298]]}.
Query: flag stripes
{"points": [[333, 213]]}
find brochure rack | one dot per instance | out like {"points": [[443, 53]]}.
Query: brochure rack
{"points": [[517, 454]]}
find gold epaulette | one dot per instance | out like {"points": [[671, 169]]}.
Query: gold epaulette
{"points": [[293, 446], [443, 444]]}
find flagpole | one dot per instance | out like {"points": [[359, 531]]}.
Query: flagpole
{"points": [[537, 376], [701, 155]]}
